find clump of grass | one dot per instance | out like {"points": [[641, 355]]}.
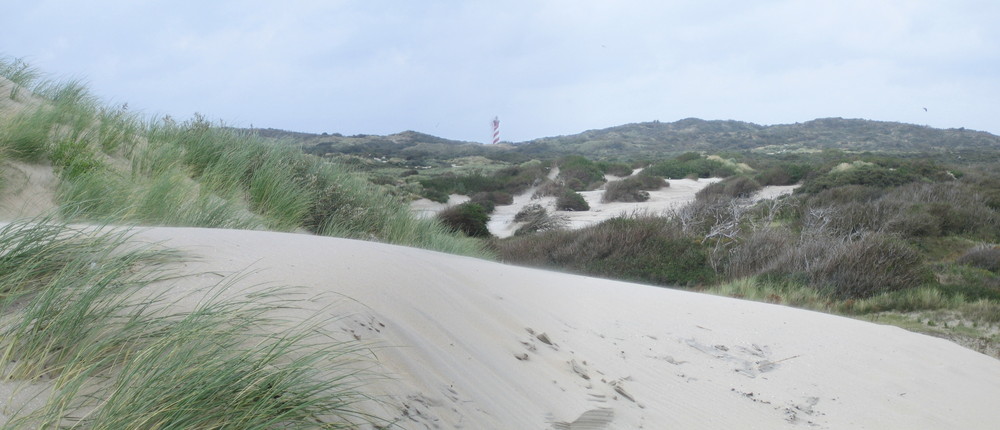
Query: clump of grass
{"points": [[20, 73], [207, 369], [786, 293], [168, 198], [59, 288]]}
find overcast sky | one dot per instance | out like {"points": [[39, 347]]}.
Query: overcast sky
{"points": [[545, 68]]}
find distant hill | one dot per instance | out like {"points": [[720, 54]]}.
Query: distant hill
{"points": [[659, 139]]}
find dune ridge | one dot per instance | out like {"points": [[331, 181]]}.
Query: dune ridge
{"points": [[467, 343]]}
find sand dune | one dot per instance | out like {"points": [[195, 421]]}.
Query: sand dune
{"points": [[480, 345]]}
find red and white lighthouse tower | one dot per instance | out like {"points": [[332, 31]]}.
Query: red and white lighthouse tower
{"points": [[496, 130]]}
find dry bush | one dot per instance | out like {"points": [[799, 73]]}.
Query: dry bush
{"points": [[958, 208], [914, 223], [758, 252], [985, 257], [711, 218], [537, 219], [855, 217], [850, 268], [632, 189], [737, 187], [548, 188], [870, 265]]}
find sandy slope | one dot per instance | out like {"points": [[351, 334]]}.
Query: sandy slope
{"points": [[480, 345]]}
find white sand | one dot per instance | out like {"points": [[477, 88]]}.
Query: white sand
{"points": [[480, 345]]}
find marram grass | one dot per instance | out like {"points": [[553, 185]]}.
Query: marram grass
{"points": [[116, 167], [77, 313]]}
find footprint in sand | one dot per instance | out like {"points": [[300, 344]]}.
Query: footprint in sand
{"points": [[594, 419]]}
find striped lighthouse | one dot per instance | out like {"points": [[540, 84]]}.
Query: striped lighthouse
{"points": [[496, 130]]}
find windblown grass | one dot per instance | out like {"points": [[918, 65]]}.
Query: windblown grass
{"points": [[22, 74], [116, 167], [59, 285], [77, 312]]}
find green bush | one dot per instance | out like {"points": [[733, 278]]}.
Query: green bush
{"points": [[490, 199], [734, 187], [580, 174], [572, 201], [435, 195], [468, 218], [633, 188], [511, 180], [872, 175], [690, 165], [783, 173], [617, 169]]}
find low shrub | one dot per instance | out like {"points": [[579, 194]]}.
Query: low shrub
{"points": [[617, 169], [580, 174], [860, 173], [434, 195], [468, 218], [691, 165], [537, 219], [758, 252], [783, 174], [732, 187], [572, 201], [636, 248], [489, 200], [632, 189], [871, 265], [986, 257], [548, 188]]}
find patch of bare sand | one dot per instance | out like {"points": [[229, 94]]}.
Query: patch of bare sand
{"points": [[473, 344], [27, 190]]}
